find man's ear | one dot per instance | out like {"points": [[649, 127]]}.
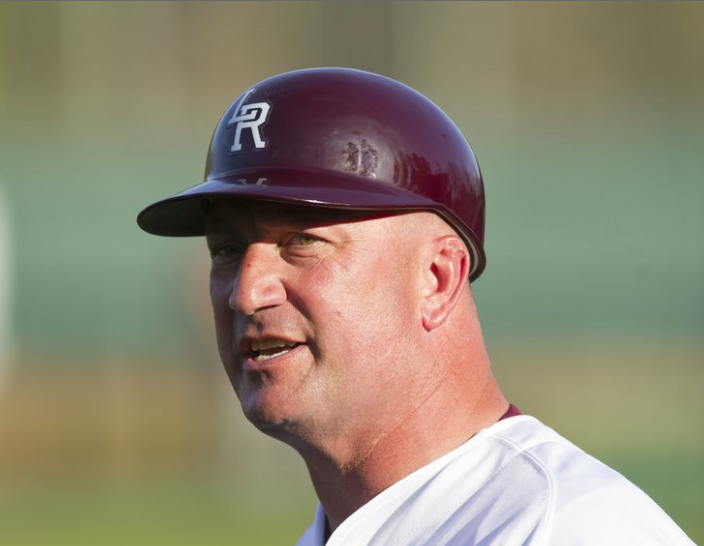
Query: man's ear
{"points": [[445, 277]]}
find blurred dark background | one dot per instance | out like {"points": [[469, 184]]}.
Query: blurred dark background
{"points": [[116, 422]]}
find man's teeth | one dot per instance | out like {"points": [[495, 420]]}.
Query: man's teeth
{"points": [[270, 348], [267, 356], [265, 344]]}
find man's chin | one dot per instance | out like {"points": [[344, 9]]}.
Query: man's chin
{"points": [[288, 431], [271, 421], [278, 414]]}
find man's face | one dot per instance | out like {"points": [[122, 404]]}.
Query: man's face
{"points": [[315, 311]]}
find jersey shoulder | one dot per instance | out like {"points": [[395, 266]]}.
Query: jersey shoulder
{"points": [[586, 501]]}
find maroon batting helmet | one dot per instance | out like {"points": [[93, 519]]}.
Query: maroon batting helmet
{"points": [[336, 138]]}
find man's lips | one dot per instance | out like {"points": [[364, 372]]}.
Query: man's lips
{"points": [[263, 349]]}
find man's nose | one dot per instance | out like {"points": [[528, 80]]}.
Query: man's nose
{"points": [[258, 285]]}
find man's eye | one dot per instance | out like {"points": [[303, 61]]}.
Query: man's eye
{"points": [[224, 251], [303, 239]]}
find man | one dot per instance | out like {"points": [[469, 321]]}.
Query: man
{"points": [[344, 213]]}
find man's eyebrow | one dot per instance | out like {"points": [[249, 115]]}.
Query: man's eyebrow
{"points": [[287, 216], [217, 226], [309, 217]]}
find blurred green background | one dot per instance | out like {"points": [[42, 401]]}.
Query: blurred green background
{"points": [[117, 424]]}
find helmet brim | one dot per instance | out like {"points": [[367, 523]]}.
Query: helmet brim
{"points": [[184, 214]]}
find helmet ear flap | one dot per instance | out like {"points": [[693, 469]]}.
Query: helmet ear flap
{"points": [[337, 138]]}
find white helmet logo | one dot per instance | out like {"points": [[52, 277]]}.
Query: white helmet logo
{"points": [[250, 116]]}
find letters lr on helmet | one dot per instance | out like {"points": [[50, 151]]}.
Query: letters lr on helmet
{"points": [[252, 117], [336, 138]]}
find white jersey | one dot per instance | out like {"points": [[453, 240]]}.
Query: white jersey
{"points": [[516, 483]]}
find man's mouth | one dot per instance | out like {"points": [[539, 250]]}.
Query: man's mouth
{"points": [[266, 349]]}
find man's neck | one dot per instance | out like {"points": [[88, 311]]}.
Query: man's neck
{"points": [[343, 485]]}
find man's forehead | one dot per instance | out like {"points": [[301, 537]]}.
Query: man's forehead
{"points": [[230, 212]]}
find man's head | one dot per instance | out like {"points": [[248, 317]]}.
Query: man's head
{"points": [[344, 213], [329, 322], [335, 138]]}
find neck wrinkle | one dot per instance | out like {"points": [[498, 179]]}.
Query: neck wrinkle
{"points": [[345, 486]]}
